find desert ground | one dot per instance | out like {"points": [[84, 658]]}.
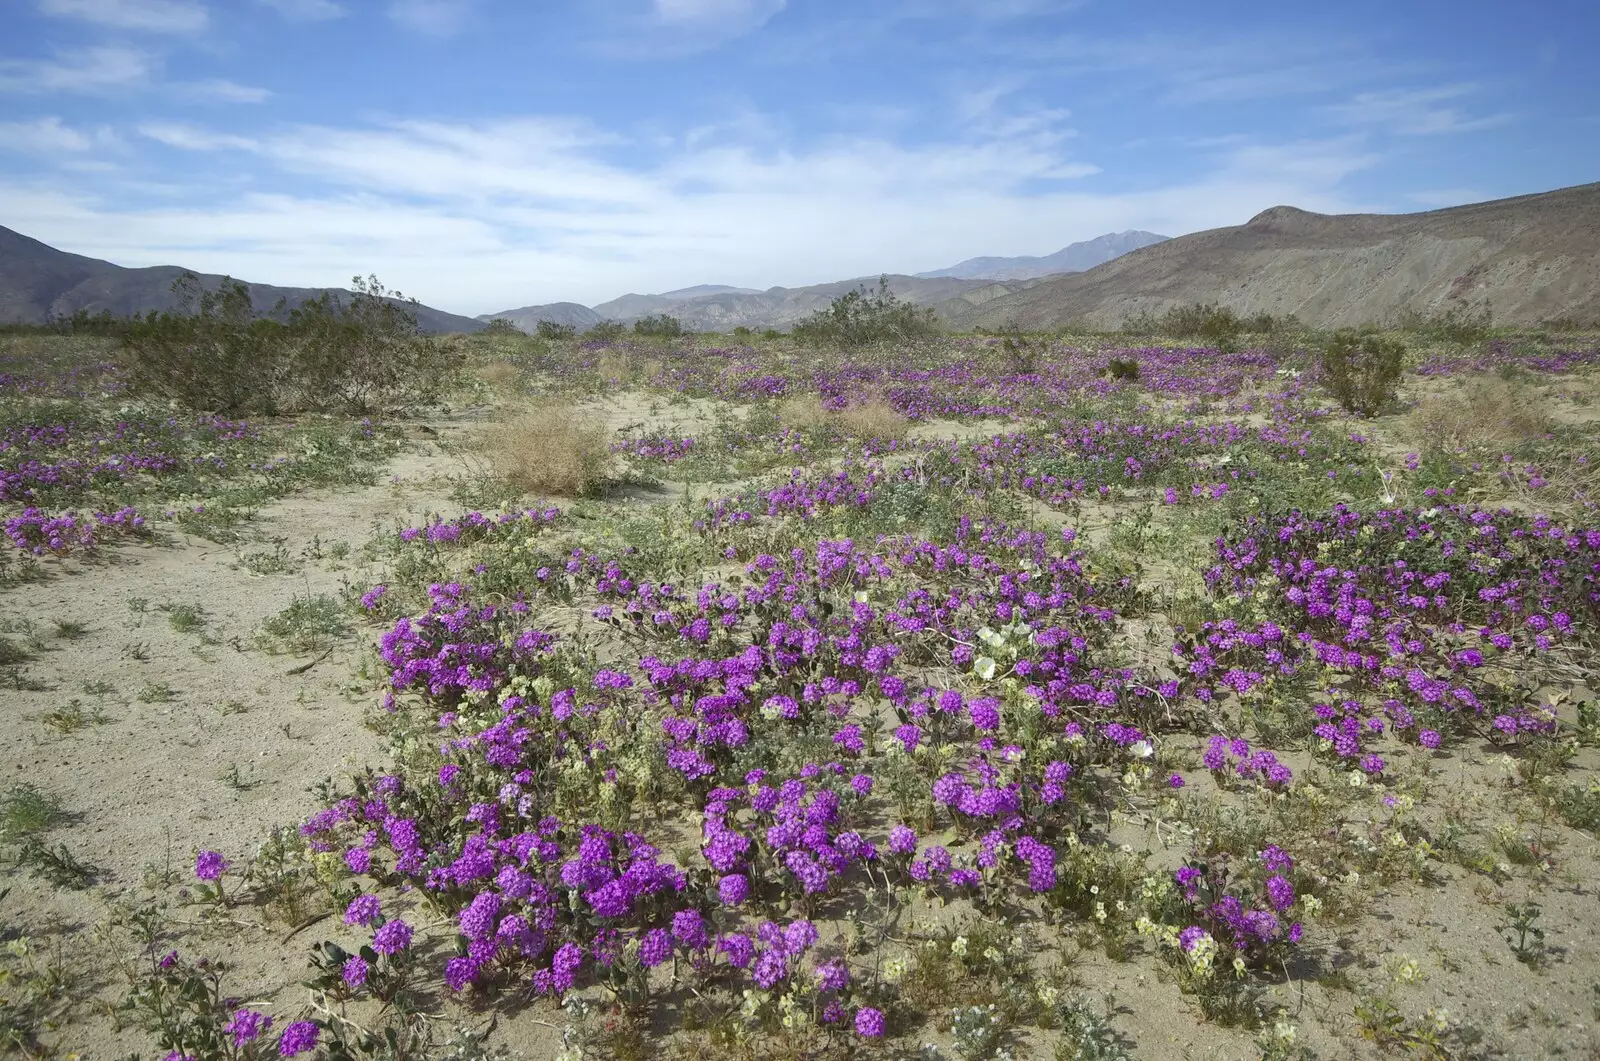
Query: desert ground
{"points": [[695, 697]]}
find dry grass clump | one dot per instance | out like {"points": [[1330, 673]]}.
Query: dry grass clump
{"points": [[1487, 413], [803, 412], [622, 366], [551, 449], [501, 376], [873, 419]]}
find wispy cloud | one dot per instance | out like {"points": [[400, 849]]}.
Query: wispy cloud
{"points": [[475, 217], [307, 10], [220, 90], [438, 18], [92, 71], [154, 16], [193, 138], [746, 12], [44, 136], [1413, 112]]}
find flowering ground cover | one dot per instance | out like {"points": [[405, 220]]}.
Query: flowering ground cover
{"points": [[922, 703]]}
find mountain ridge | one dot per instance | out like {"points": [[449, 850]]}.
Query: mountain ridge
{"points": [[39, 283], [1529, 259], [1073, 258]]}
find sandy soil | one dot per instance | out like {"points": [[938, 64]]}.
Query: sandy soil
{"points": [[231, 748]]}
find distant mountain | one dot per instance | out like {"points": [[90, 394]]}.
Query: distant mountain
{"points": [[581, 318], [708, 289], [1074, 258], [39, 283], [781, 307], [1529, 259]]}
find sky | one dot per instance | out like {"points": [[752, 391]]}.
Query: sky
{"points": [[483, 155]]}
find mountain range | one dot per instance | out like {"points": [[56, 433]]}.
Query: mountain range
{"points": [[39, 283], [1529, 259], [1074, 258]]}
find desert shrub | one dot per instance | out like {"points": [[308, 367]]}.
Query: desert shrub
{"points": [[660, 326], [501, 326], [215, 353], [82, 322], [554, 330], [1022, 354], [1123, 368], [1219, 326], [742, 332], [1458, 324], [1362, 369], [551, 449], [211, 354], [364, 355], [607, 331], [859, 317], [772, 333], [1487, 413]]}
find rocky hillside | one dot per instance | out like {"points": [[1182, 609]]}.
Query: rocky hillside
{"points": [[1530, 259], [39, 283]]}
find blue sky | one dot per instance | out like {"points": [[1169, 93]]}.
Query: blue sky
{"points": [[486, 154]]}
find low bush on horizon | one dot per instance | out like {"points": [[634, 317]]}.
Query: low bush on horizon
{"points": [[864, 316], [216, 355]]}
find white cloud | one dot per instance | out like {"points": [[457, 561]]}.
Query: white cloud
{"points": [[478, 217], [190, 138], [1415, 112], [45, 136], [743, 11], [156, 16], [307, 10], [220, 90], [92, 71], [439, 18]]}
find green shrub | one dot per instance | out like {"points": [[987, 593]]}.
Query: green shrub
{"points": [[1362, 369], [772, 333], [859, 317], [1457, 324], [216, 354], [211, 354], [658, 327], [607, 331], [1123, 368], [1218, 325], [553, 330], [365, 355], [501, 326], [1021, 352]]}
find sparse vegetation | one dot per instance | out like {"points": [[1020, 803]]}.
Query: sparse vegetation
{"points": [[216, 354], [791, 732], [550, 449], [1362, 369], [862, 316]]}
